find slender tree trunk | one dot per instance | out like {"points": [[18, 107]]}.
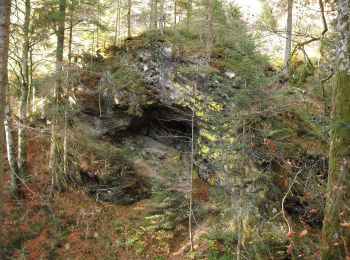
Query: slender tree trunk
{"points": [[97, 26], [70, 41], [161, 16], [15, 184], [210, 29], [129, 18], [336, 232], [175, 12], [30, 83], [57, 182], [288, 49], [116, 24], [119, 20], [22, 140], [5, 12], [154, 14], [190, 215], [189, 14], [67, 94]]}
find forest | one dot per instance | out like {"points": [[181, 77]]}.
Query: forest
{"points": [[175, 129]]}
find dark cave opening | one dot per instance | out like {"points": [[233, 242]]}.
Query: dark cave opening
{"points": [[167, 125]]}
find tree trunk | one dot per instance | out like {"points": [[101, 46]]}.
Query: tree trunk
{"points": [[154, 14], [57, 182], [67, 94], [22, 140], [288, 49], [190, 213], [161, 17], [210, 29], [336, 233], [97, 26], [70, 41], [31, 88], [15, 184], [129, 18], [5, 12], [189, 14], [116, 24], [175, 12]]}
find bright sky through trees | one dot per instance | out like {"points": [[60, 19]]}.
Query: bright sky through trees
{"points": [[249, 7]]}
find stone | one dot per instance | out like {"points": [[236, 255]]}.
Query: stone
{"points": [[230, 74]]}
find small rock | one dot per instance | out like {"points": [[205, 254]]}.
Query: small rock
{"points": [[230, 74], [67, 246]]}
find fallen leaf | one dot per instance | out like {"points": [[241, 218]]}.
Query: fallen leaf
{"points": [[345, 225], [303, 233], [306, 196], [314, 211]]}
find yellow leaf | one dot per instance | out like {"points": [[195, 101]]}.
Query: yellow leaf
{"points": [[200, 113], [204, 149], [208, 135]]}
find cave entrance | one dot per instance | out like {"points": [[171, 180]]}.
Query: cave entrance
{"points": [[159, 144], [167, 125]]}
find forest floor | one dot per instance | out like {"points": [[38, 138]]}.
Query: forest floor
{"points": [[74, 225]]}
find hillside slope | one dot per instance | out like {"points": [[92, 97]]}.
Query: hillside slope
{"points": [[260, 159]]}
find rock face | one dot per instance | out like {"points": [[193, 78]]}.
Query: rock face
{"points": [[140, 105], [145, 118]]}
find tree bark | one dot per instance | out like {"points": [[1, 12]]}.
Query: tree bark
{"points": [[175, 12], [5, 12], [129, 18], [190, 213], [57, 182], [161, 16], [22, 140], [210, 29], [154, 14], [71, 25], [116, 24], [288, 49], [189, 14], [15, 184], [336, 233]]}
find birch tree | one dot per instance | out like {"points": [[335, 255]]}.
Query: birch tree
{"points": [[22, 142], [10, 148], [336, 225], [128, 18], [288, 49], [5, 12], [161, 16]]}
